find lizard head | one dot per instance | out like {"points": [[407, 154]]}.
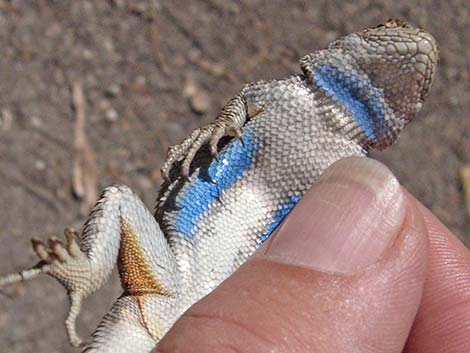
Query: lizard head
{"points": [[381, 76]]}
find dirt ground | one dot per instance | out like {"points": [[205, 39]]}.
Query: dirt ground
{"points": [[150, 72]]}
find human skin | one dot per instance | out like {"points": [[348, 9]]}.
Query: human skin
{"points": [[359, 265]]}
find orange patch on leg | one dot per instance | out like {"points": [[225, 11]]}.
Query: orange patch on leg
{"points": [[137, 278]]}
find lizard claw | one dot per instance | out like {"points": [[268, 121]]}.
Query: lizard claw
{"points": [[219, 131], [177, 152], [55, 251], [238, 135], [42, 251], [71, 236], [230, 121], [186, 151], [202, 138]]}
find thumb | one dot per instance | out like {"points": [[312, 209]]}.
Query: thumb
{"points": [[344, 273]]}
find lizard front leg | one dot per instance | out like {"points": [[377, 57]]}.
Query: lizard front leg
{"points": [[120, 230], [229, 121]]}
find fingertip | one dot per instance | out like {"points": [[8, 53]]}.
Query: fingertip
{"points": [[345, 221]]}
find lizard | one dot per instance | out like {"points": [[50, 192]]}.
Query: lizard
{"points": [[231, 183]]}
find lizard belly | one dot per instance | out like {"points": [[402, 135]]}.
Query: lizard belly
{"points": [[232, 206]]}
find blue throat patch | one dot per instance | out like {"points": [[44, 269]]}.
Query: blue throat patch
{"points": [[359, 96], [200, 195]]}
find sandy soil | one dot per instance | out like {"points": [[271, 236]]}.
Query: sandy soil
{"points": [[150, 72]]}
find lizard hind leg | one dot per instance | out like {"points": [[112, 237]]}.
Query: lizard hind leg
{"points": [[120, 229], [124, 329]]}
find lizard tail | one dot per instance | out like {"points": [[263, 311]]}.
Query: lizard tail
{"points": [[24, 275]]}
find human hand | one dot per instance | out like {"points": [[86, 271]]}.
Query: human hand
{"points": [[358, 266]]}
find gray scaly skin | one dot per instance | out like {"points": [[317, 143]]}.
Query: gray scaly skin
{"points": [[223, 196]]}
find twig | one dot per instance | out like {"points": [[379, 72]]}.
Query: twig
{"points": [[84, 166]]}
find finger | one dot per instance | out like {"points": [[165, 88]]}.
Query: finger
{"points": [[344, 273], [443, 320]]}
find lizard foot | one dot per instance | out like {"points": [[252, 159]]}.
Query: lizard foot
{"points": [[186, 151], [68, 265], [229, 122], [65, 262]]}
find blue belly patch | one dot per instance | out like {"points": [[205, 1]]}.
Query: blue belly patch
{"points": [[282, 211], [358, 95], [202, 193]]}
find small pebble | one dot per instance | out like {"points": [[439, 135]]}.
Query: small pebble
{"points": [[36, 121], [111, 115], [141, 80], [6, 119], [87, 54], [39, 165], [113, 90], [200, 102], [104, 104]]}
